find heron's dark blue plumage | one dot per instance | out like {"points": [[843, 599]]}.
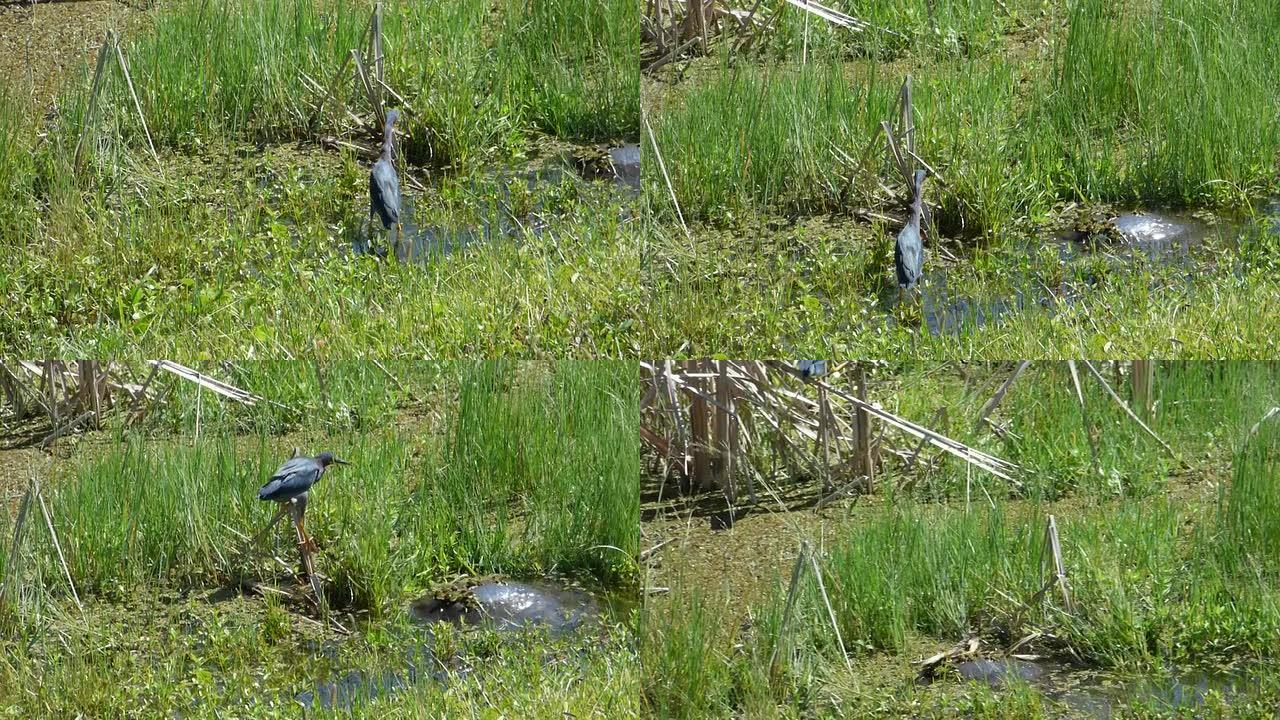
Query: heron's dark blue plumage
{"points": [[296, 476], [908, 253], [384, 184], [811, 368]]}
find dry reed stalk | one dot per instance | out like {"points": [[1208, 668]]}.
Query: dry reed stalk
{"points": [[1132, 416], [865, 458], [124, 69], [1084, 415], [657, 154], [786, 612], [93, 99], [53, 535], [831, 613], [698, 419], [1143, 384]]}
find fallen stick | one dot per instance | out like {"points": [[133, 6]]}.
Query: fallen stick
{"points": [[1258, 425], [329, 91], [675, 53], [653, 141], [842, 492], [999, 396], [66, 428], [53, 535], [645, 555], [831, 613], [284, 509]]}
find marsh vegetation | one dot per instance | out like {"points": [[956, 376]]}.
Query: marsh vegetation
{"points": [[257, 196], [463, 475], [1044, 122], [934, 593]]}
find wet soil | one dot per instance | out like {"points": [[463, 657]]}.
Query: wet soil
{"points": [[44, 45]]}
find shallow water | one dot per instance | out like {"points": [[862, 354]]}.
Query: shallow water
{"points": [[1169, 240], [1097, 694], [511, 606], [421, 242], [505, 606]]}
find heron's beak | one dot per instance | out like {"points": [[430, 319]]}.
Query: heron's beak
{"points": [[340, 461]]}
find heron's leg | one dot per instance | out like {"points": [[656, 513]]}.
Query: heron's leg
{"points": [[306, 540]]}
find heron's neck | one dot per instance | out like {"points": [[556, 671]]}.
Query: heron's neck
{"points": [[388, 136], [917, 203]]}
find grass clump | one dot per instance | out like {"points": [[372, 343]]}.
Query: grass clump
{"points": [[478, 79]]}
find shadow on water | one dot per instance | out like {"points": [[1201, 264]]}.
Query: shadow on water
{"points": [[1096, 694], [1180, 244], [504, 606], [509, 214]]}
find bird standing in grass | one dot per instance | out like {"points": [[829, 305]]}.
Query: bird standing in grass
{"points": [[291, 483], [384, 184], [908, 254]]}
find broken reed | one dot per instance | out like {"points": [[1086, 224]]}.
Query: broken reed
{"points": [[334, 395], [1191, 127], [1153, 578], [1200, 408], [1038, 425], [532, 473], [724, 424]]}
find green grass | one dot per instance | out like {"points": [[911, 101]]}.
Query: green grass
{"points": [[249, 659], [237, 274], [478, 78], [459, 468], [335, 396], [744, 291], [1104, 115]]}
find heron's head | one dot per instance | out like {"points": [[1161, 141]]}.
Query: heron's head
{"points": [[392, 116], [326, 459], [920, 178]]}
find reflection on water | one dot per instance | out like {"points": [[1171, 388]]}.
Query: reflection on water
{"points": [[510, 606], [501, 605]]}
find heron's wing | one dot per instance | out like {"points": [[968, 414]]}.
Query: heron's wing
{"points": [[296, 475], [384, 192]]}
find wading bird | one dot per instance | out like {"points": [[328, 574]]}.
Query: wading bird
{"points": [[384, 184], [290, 484], [908, 254]]}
